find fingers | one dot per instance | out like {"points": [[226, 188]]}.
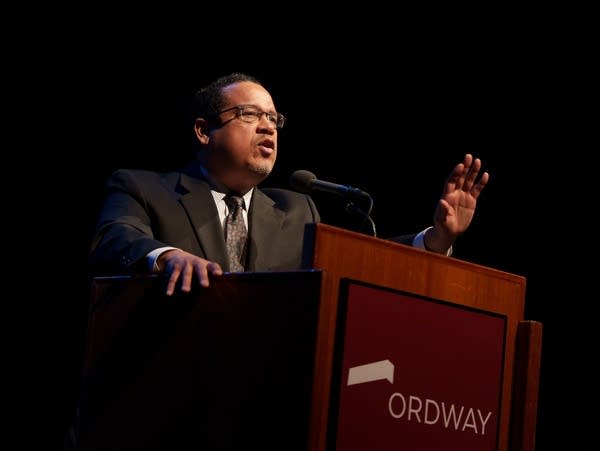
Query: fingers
{"points": [[173, 277], [471, 184], [476, 190], [181, 269], [455, 180], [471, 169], [214, 268], [203, 271], [464, 177], [186, 278]]}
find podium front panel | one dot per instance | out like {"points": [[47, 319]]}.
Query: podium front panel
{"points": [[414, 373], [223, 368]]}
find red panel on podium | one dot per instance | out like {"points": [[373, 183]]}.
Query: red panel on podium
{"points": [[415, 371], [490, 301]]}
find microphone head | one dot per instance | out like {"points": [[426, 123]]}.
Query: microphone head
{"points": [[301, 180]]}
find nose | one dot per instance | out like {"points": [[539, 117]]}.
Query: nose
{"points": [[264, 119]]}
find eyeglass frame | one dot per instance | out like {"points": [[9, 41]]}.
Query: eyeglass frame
{"points": [[276, 118]]}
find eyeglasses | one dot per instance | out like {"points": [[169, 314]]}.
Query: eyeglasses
{"points": [[251, 114]]}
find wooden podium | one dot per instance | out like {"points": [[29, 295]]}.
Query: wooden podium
{"points": [[221, 368], [346, 255], [254, 360]]}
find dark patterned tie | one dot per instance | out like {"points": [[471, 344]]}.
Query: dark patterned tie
{"points": [[235, 233]]}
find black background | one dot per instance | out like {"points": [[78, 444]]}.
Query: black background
{"points": [[390, 114]]}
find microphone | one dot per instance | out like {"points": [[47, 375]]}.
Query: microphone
{"points": [[305, 182]]}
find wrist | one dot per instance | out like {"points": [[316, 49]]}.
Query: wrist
{"points": [[436, 240]]}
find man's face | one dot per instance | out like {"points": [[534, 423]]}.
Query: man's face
{"points": [[242, 154]]}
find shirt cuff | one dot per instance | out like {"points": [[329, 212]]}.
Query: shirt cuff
{"points": [[152, 258], [419, 241]]}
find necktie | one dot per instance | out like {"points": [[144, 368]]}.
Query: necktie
{"points": [[235, 233]]}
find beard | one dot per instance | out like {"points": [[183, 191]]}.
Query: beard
{"points": [[262, 169]]}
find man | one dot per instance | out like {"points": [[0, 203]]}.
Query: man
{"points": [[173, 223]]}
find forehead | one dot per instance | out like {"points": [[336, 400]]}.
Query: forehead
{"points": [[247, 93]]}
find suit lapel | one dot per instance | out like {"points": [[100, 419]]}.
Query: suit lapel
{"points": [[265, 221], [199, 204]]}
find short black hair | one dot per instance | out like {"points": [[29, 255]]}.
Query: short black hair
{"points": [[208, 101]]}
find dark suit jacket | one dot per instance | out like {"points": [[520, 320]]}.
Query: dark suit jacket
{"points": [[145, 210]]}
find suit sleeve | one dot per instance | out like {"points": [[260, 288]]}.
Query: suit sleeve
{"points": [[123, 236]]}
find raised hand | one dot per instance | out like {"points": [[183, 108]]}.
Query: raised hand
{"points": [[456, 207]]}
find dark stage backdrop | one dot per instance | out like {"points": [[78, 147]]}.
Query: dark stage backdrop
{"points": [[392, 128]]}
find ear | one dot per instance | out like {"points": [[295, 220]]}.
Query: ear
{"points": [[201, 130]]}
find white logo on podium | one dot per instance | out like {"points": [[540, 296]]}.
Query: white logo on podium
{"points": [[384, 369]]}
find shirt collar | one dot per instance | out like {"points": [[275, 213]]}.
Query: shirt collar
{"points": [[219, 191]]}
